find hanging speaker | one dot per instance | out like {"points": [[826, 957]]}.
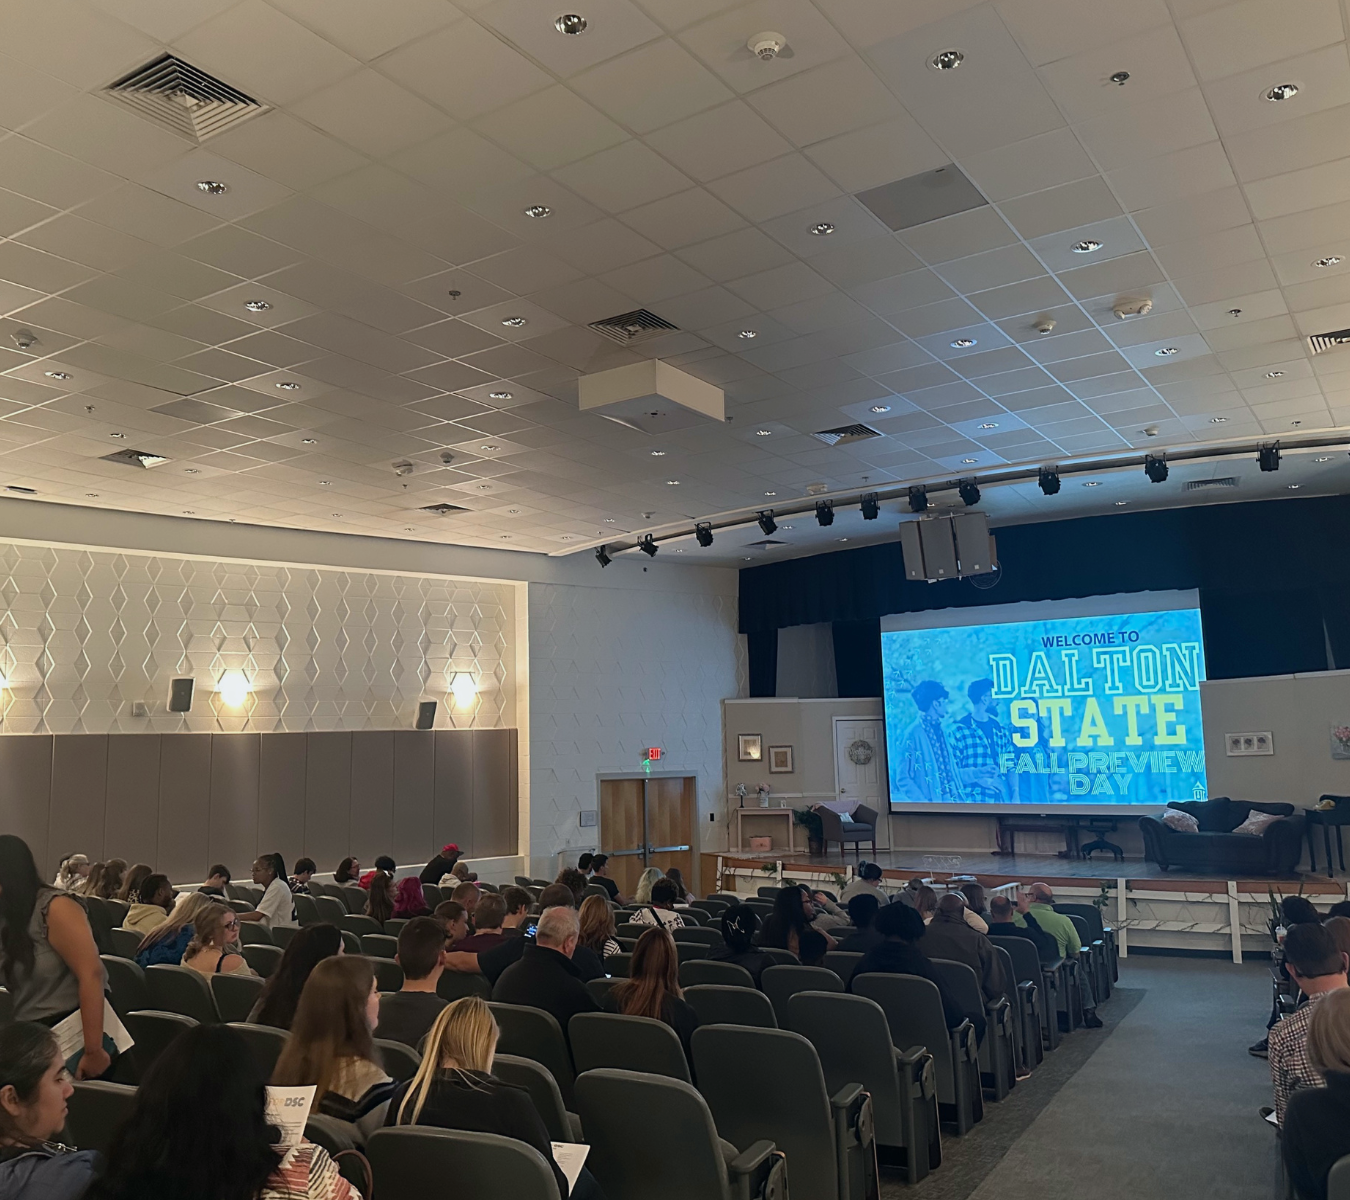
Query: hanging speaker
{"points": [[180, 695], [426, 714]]}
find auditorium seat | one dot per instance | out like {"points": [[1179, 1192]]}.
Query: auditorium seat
{"points": [[417, 1160], [455, 985], [715, 903], [240, 906], [388, 974], [705, 970], [235, 995], [767, 1085], [1093, 957], [562, 1126], [853, 1042], [600, 988], [627, 1043], [1026, 1021], [378, 945], [619, 964], [534, 1033], [843, 963], [1027, 967], [1338, 1180], [263, 959], [101, 922], [433, 895], [127, 990], [124, 942], [913, 1011], [351, 942], [716, 1004], [394, 926], [282, 935], [152, 1031], [711, 938], [779, 955], [594, 889], [306, 910], [330, 910], [631, 929], [780, 981], [996, 1050], [686, 951], [264, 1043], [255, 933], [685, 1160], [118, 910], [181, 990], [354, 898], [96, 1111], [768, 893], [400, 1061]]}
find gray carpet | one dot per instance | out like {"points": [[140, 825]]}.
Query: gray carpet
{"points": [[1161, 1102]]}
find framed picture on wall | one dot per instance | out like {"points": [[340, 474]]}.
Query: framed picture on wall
{"points": [[750, 747], [780, 760]]}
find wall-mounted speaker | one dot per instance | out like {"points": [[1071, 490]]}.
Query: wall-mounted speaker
{"points": [[426, 714], [180, 695]]}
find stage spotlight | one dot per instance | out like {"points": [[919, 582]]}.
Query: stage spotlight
{"points": [[602, 557], [918, 499], [704, 534], [969, 492], [1049, 481], [871, 506], [767, 523], [1155, 467], [648, 546], [1268, 457], [824, 513]]}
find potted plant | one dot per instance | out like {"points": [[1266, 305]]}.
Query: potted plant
{"points": [[809, 820]]}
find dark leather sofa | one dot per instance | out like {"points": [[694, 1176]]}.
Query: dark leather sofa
{"points": [[1216, 848]]}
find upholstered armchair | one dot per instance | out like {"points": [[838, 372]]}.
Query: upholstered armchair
{"points": [[834, 828]]}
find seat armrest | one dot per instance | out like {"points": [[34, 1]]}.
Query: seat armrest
{"points": [[846, 1096], [911, 1056], [916, 1069], [747, 1162], [963, 1041]]}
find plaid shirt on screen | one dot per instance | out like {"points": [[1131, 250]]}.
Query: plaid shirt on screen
{"points": [[975, 746]]}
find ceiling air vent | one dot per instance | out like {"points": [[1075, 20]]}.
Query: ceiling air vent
{"points": [[630, 327], [845, 434], [1195, 485], [136, 458], [764, 543], [1320, 343], [442, 510], [178, 96]]}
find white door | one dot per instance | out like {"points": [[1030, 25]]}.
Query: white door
{"points": [[860, 761]]}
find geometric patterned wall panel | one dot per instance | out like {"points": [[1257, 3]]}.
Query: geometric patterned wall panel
{"points": [[85, 634]]}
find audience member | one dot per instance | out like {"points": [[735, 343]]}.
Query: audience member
{"points": [[488, 916], [788, 927], [546, 977], [382, 863], [862, 911], [348, 871], [642, 894], [1318, 968], [574, 881], [110, 882], [826, 915], [1316, 1127], [409, 899], [683, 894], [281, 993], [94, 880], [518, 904], [1041, 901], [468, 895], [167, 942], [909, 894], [951, 938], [379, 886], [492, 963], [652, 988], [900, 954], [48, 958], [460, 871], [974, 894], [866, 882], [277, 906], [662, 911], [331, 1044], [455, 1089], [34, 1088], [1340, 909], [304, 872], [1298, 910], [131, 882], [72, 872], [217, 879], [1002, 924], [217, 927], [406, 1015], [440, 865], [740, 924], [925, 902], [199, 1129], [454, 922], [600, 875], [1339, 928], [597, 927], [154, 902], [584, 862]]}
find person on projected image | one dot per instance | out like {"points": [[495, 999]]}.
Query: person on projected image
{"points": [[979, 741], [927, 772]]}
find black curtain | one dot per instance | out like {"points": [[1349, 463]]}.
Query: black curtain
{"points": [[857, 657], [762, 648]]}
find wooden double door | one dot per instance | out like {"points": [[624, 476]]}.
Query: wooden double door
{"points": [[649, 821]]}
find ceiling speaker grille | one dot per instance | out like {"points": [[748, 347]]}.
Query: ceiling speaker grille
{"points": [[1195, 485], [442, 510], [844, 434], [1319, 343], [637, 326], [182, 98], [136, 458]]}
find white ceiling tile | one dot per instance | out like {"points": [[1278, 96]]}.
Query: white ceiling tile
{"points": [[614, 26], [1193, 216], [720, 42], [625, 176], [1069, 206], [525, 269], [656, 279], [1297, 266], [366, 31], [1322, 78], [867, 158], [584, 301], [1296, 192], [1147, 129], [43, 174], [865, 261], [849, 220], [371, 113], [955, 237], [74, 42], [84, 242], [248, 191], [1030, 165], [831, 99], [774, 188], [1231, 246], [781, 285], [991, 268], [867, 22], [1082, 85], [1292, 145], [551, 128], [460, 163], [604, 245], [1172, 176], [656, 85], [715, 143], [1053, 29], [734, 255], [1209, 286], [1245, 35], [505, 206], [282, 148], [1253, 307]]}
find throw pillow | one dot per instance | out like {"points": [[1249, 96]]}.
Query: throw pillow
{"points": [[1257, 822], [1180, 822]]}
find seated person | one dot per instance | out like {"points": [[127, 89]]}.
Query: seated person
{"points": [[455, 1089], [154, 903], [576, 880], [740, 924], [406, 1015], [662, 911], [1002, 924], [826, 916], [975, 905], [454, 922], [380, 897], [1316, 1129], [600, 875], [493, 962], [518, 904], [216, 879], [546, 977], [348, 871], [331, 1044], [409, 899], [440, 865], [166, 943], [652, 988], [867, 882], [903, 929], [949, 937], [277, 906], [1059, 927], [598, 932], [789, 927], [468, 894], [862, 911], [217, 928], [304, 872], [684, 895], [281, 993], [1318, 967], [488, 916], [382, 863]]}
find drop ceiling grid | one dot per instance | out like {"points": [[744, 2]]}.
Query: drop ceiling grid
{"points": [[807, 373]]}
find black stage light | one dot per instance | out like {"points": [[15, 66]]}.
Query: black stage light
{"points": [[969, 491], [824, 512], [871, 506], [648, 546], [1049, 481], [602, 557], [1268, 457], [918, 499], [767, 523], [1155, 467], [704, 534]]}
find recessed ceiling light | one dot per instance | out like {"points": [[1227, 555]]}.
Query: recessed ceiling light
{"points": [[989, 425], [567, 537], [1086, 246], [571, 24], [658, 454], [117, 435], [881, 408], [1323, 458], [92, 495], [1217, 420], [771, 493], [335, 514], [309, 441], [1282, 91], [672, 483], [1235, 312], [1166, 352], [514, 322], [1120, 78], [764, 433], [513, 511], [18, 487], [59, 375], [499, 395], [1092, 483], [1330, 261], [538, 211], [212, 187], [1293, 487], [506, 537], [843, 539], [822, 229], [189, 512], [1121, 503], [963, 343], [1274, 374], [747, 334], [325, 483], [947, 60], [287, 385], [609, 520], [489, 447], [257, 305], [968, 461], [191, 471]]}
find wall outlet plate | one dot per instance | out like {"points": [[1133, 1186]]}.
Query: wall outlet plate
{"points": [[588, 818], [139, 708]]}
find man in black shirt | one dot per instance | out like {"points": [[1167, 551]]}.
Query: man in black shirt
{"points": [[546, 977], [862, 911], [600, 875], [439, 867], [1001, 925], [406, 1015], [493, 962]]}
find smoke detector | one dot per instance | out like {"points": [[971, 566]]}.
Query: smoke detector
{"points": [[1044, 325], [1128, 307], [25, 339], [767, 46]]}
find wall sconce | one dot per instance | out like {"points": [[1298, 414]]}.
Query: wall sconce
{"points": [[234, 688], [463, 689]]}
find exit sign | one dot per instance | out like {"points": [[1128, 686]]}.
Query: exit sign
{"points": [[653, 754]]}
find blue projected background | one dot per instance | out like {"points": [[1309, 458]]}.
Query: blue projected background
{"points": [[1082, 711]]}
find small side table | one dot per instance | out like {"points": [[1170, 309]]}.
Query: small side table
{"points": [[1332, 818]]}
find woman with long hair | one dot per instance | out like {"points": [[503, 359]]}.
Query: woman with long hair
{"points": [[111, 882], [454, 1088], [740, 924], [789, 927], [93, 880], [925, 900], [131, 883], [380, 901], [652, 988], [331, 1045], [348, 870], [217, 928], [72, 872], [409, 899], [199, 1128], [597, 927], [642, 894], [34, 1088], [675, 877], [153, 902], [48, 958], [281, 994], [167, 942]]}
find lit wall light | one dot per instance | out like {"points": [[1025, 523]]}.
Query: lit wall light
{"points": [[234, 688], [463, 689]]}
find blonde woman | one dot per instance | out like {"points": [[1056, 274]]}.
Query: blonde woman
{"points": [[167, 941], [597, 927], [73, 871], [643, 893], [217, 928], [455, 1089]]}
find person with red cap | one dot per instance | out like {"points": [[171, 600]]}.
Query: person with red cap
{"points": [[440, 866]]}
